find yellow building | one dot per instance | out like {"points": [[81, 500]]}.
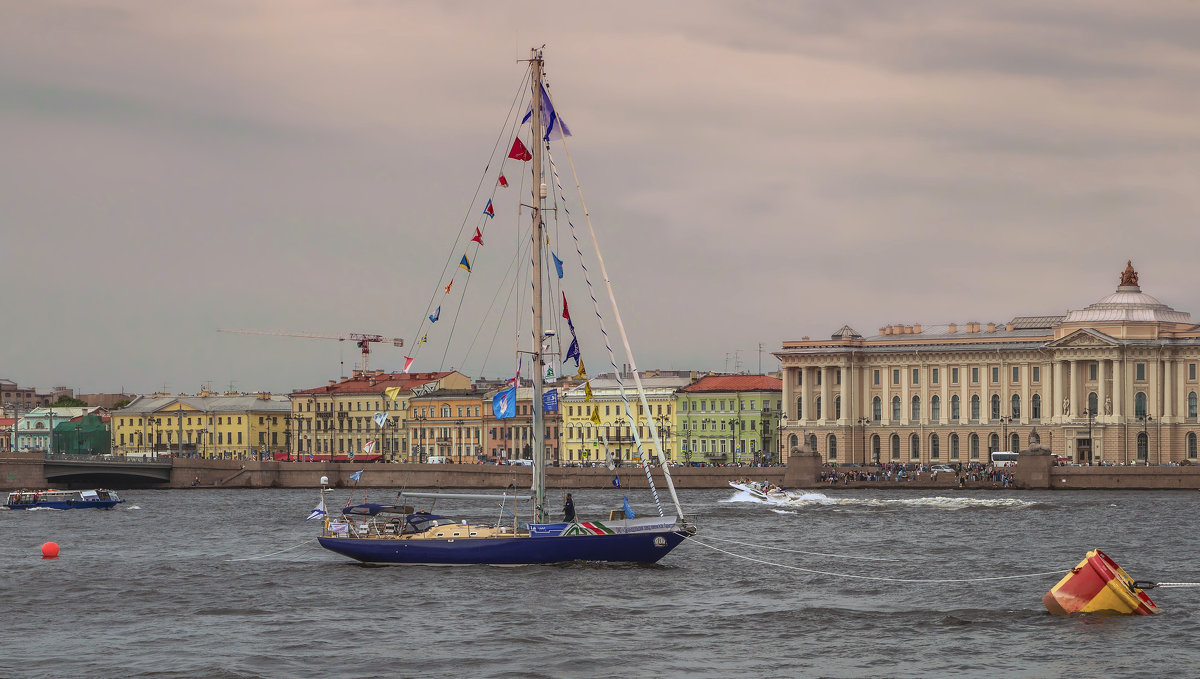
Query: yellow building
{"points": [[339, 419], [585, 442], [242, 426]]}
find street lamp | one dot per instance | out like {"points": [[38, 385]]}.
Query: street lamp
{"points": [[417, 448], [733, 426], [1004, 420], [863, 422], [1144, 453], [664, 433]]}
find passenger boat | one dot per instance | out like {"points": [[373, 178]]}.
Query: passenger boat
{"points": [[394, 533], [63, 499], [1098, 585]]}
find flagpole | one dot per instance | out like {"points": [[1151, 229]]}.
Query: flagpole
{"points": [[539, 451]]}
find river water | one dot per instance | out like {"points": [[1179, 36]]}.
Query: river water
{"points": [[194, 583]]}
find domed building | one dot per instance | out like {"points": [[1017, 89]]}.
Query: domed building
{"points": [[1114, 382]]}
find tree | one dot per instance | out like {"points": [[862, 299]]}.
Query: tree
{"points": [[68, 402], [121, 404]]}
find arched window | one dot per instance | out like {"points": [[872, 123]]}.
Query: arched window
{"points": [[877, 409], [800, 408], [955, 408], [995, 406], [1139, 404], [1093, 403], [837, 408], [793, 441], [914, 447], [916, 409], [1143, 446], [1016, 406], [832, 447], [935, 448], [895, 446], [935, 409], [445, 411], [973, 443], [1191, 445], [818, 407], [1016, 442], [875, 448], [993, 443], [895, 409], [1192, 405], [954, 446], [812, 442], [974, 406], [1035, 410]]}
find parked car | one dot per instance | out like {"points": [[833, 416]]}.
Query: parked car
{"points": [[942, 469]]}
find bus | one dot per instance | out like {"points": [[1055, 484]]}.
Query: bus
{"points": [[1002, 458]]}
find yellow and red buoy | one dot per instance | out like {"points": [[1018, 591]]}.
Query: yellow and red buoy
{"points": [[50, 550], [1098, 585]]}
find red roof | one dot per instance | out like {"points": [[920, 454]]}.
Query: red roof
{"points": [[714, 383], [376, 384]]}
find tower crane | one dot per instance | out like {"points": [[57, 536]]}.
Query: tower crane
{"points": [[364, 340]]}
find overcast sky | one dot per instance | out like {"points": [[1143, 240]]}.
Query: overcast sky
{"points": [[767, 170]]}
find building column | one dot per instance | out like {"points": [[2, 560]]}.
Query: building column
{"points": [[826, 404], [1074, 389], [1026, 385], [1168, 388], [1102, 371], [1118, 395], [905, 403], [844, 371], [1056, 387], [789, 403], [964, 405], [945, 395]]}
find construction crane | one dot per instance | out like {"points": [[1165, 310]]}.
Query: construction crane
{"points": [[363, 340]]}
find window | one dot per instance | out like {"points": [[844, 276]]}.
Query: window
{"points": [[895, 409], [832, 447], [974, 375], [935, 450], [993, 443], [1037, 374], [895, 446], [875, 375], [896, 376], [1191, 371], [916, 409], [916, 376], [800, 407], [876, 409], [974, 406], [995, 375], [812, 441], [955, 408], [1140, 372], [995, 406], [1139, 404], [1035, 407], [837, 408], [875, 448], [935, 409], [973, 444], [818, 407], [1093, 371], [1093, 403], [914, 447], [838, 376], [954, 376], [1191, 445], [933, 375], [1143, 447], [954, 446], [820, 375], [1192, 405], [1016, 406], [1015, 444], [1016, 374]]}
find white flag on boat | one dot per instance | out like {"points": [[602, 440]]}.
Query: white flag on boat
{"points": [[381, 419], [318, 511]]}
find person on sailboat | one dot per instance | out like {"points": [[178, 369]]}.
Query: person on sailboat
{"points": [[568, 509]]}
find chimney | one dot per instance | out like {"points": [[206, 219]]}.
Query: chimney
{"points": [[1008, 327], [952, 328], [917, 329], [991, 327], [332, 382]]}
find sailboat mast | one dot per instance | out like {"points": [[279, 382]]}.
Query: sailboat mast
{"points": [[538, 433]]}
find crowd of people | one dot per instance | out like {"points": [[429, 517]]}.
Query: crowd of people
{"points": [[973, 472]]}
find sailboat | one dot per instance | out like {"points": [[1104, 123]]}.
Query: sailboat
{"points": [[397, 534]]}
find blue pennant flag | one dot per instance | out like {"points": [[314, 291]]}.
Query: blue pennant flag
{"points": [[555, 127], [318, 511], [557, 264], [504, 403], [355, 476], [628, 510], [573, 352], [434, 316], [616, 481]]}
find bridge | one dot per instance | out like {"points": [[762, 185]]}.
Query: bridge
{"points": [[107, 471]]}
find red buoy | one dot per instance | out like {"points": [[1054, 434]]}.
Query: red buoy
{"points": [[50, 550]]}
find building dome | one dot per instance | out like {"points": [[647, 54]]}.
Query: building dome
{"points": [[1128, 303]]}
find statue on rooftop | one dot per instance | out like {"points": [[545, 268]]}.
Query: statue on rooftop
{"points": [[1129, 276]]}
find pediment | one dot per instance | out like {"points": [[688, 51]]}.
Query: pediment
{"points": [[175, 406], [1084, 338]]}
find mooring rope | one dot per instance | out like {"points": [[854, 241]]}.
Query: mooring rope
{"points": [[872, 577], [1177, 584], [263, 556], [800, 551]]}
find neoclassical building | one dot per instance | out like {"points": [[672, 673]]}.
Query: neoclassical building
{"points": [[1113, 382]]}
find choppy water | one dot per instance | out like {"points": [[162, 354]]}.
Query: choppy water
{"points": [[155, 588]]}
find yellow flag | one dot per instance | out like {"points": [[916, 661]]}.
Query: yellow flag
{"points": [[391, 393], [582, 374], [587, 391], [596, 416]]}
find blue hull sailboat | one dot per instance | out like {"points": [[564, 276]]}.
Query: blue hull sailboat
{"points": [[397, 534]]}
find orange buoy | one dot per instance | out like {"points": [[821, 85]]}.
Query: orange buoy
{"points": [[50, 550], [1098, 585]]}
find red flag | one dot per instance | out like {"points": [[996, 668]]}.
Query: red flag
{"points": [[503, 181], [407, 363], [478, 236], [566, 313], [519, 152], [448, 286]]}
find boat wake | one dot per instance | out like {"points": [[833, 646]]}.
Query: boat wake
{"points": [[799, 500]]}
